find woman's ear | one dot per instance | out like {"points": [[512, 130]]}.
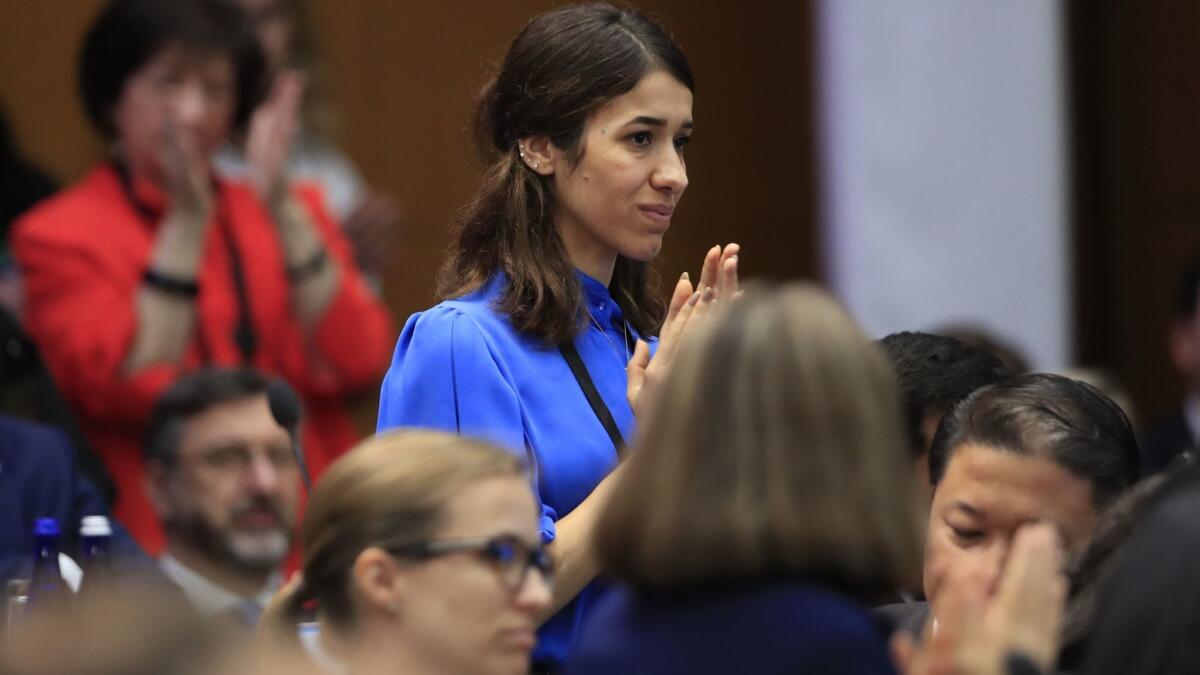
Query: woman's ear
{"points": [[539, 154], [379, 580]]}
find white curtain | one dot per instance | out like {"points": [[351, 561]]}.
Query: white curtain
{"points": [[943, 170]]}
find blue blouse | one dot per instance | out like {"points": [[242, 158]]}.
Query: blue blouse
{"points": [[461, 366]]}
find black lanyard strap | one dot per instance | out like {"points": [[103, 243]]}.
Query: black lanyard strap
{"points": [[580, 371]]}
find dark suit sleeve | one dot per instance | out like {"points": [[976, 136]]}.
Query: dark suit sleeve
{"points": [[41, 479]]}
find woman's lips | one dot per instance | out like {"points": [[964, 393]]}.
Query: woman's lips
{"points": [[659, 213], [522, 638]]}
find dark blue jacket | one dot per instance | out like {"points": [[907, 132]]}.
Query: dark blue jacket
{"points": [[764, 629], [38, 479]]}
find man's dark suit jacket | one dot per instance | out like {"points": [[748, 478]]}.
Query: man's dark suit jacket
{"points": [[1164, 441], [38, 479]]}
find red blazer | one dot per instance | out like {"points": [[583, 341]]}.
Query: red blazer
{"points": [[83, 253]]}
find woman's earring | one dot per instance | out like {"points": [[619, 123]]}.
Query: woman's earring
{"points": [[521, 151], [394, 607]]}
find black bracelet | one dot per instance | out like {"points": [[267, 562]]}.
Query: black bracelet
{"points": [[308, 268], [187, 288]]}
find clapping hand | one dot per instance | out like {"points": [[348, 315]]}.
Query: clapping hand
{"points": [[273, 127], [688, 307], [186, 172]]}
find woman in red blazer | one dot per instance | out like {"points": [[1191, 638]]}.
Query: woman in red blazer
{"points": [[151, 266]]}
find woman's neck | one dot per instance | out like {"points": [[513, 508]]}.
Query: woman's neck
{"points": [[381, 647], [586, 253]]}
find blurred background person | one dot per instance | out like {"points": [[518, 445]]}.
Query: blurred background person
{"points": [[766, 500], [150, 267], [1015, 362], [1178, 432], [935, 372], [368, 218], [422, 554], [224, 483], [548, 295]]}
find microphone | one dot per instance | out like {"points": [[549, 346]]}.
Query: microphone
{"points": [[285, 408]]}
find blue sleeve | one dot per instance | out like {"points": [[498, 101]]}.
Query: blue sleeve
{"points": [[445, 375]]}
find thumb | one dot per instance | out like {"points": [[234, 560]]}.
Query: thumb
{"points": [[903, 650], [636, 371]]}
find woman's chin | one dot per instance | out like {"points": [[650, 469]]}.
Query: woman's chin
{"points": [[643, 253]]}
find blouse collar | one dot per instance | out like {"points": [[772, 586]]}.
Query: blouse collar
{"points": [[599, 301]]}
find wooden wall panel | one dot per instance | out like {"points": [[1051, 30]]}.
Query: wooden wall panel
{"points": [[1136, 150], [402, 75]]}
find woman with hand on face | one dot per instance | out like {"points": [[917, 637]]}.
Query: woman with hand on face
{"points": [[150, 266], [542, 341], [422, 554]]}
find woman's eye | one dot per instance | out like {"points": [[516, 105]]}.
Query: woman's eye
{"points": [[641, 138], [501, 551], [682, 141], [966, 534]]}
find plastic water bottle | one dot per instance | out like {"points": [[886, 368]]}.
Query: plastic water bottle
{"points": [[47, 584], [95, 533]]}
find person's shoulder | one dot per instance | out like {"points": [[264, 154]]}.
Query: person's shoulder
{"points": [[474, 310], [63, 213], [36, 452]]}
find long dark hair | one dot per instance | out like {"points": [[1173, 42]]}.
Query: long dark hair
{"points": [[559, 69]]}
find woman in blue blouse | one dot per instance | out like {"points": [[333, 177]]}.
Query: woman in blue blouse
{"points": [[546, 297]]}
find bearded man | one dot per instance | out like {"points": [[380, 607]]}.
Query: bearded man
{"points": [[222, 476]]}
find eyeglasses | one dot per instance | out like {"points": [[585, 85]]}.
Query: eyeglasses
{"points": [[238, 458], [511, 556]]}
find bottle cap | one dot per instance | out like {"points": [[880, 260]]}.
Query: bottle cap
{"points": [[95, 526], [45, 527]]}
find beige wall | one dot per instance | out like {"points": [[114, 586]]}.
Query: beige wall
{"points": [[403, 74]]}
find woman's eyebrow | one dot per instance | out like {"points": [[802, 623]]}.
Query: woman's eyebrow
{"points": [[651, 121], [967, 508]]}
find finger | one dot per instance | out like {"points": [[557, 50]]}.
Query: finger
{"points": [[903, 649], [1033, 566], [668, 339], [707, 300], [708, 271], [290, 97], [1029, 604], [168, 150], [679, 297], [637, 372], [729, 251], [729, 278]]}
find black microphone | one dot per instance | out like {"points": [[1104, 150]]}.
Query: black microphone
{"points": [[285, 408]]}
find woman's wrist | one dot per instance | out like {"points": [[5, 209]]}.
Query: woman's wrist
{"points": [[179, 246]]}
